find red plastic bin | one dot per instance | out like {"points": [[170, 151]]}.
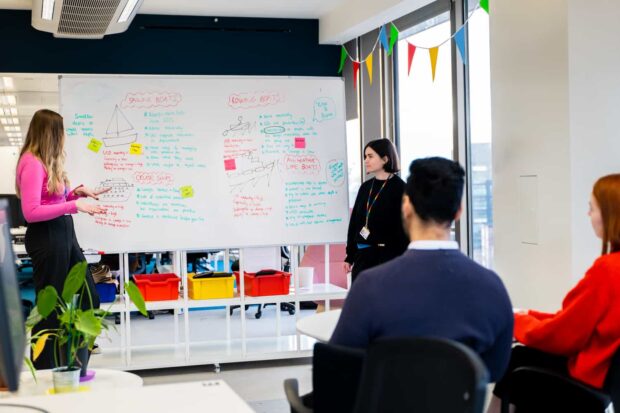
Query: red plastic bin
{"points": [[257, 286], [158, 287]]}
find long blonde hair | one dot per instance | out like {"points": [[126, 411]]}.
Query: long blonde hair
{"points": [[46, 141]]}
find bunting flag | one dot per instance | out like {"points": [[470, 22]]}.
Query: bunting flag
{"points": [[459, 39], [369, 67], [383, 39], [433, 53], [485, 5], [410, 53], [393, 37], [343, 58]]}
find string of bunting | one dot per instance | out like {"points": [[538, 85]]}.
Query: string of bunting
{"points": [[388, 47]]}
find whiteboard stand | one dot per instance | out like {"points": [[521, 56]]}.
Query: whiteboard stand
{"points": [[327, 283], [184, 282], [294, 266], [242, 296]]}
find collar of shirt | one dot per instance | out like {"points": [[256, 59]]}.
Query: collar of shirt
{"points": [[433, 245]]}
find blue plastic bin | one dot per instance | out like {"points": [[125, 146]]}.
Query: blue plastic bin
{"points": [[107, 292]]}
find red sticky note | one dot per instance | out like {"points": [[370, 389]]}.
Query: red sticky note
{"points": [[229, 164], [300, 143]]}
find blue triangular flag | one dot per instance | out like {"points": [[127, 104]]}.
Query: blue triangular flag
{"points": [[459, 39], [384, 40]]}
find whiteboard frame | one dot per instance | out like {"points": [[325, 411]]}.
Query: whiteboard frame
{"points": [[213, 77]]}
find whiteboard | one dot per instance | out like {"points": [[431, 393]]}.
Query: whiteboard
{"points": [[207, 162]]}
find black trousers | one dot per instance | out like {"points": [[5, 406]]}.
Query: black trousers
{"points": [[53, 249], [371, 257]]}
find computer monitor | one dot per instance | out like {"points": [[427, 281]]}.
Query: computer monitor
{"points": [[12, 335], [16, 218]]}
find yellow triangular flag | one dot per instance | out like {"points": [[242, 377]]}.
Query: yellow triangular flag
{"points": [[433, 53], [369, 67]]}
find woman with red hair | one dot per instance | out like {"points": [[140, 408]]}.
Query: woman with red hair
{"points": [[580, 340]]}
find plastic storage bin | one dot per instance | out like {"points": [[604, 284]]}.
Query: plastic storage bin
{"points": [[207, 288], [261, 285], [158, 287], [107, 292]]}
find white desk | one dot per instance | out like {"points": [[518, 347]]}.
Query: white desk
{"points": [[196, 397], [104, 380], [320, 325]]}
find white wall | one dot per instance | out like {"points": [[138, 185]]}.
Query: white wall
{"points": [[8, 162], [529, 95], [555, 96], [353, 18], [594, 64]]}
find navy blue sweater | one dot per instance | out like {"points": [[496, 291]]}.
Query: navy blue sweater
{"points": [[433, 293]]}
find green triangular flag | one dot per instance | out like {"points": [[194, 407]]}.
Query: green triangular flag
{"points": [[343, 58], [393, 37], [485, 5]]}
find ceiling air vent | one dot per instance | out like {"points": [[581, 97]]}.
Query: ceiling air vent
{"points": [[83, 19]]}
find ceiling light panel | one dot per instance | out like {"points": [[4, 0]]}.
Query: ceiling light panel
{"points": [[8, 100]]}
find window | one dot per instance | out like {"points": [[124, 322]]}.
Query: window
{"points": [[480, 127], [354, 150], [425, 106]]}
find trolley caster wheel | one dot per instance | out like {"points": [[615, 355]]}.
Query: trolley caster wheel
{"points": [[117, 319], [217, 368], [258, 315], [150, 315], [292, 311]]}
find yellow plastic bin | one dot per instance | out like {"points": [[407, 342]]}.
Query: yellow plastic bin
{"points": [[207, 288]]}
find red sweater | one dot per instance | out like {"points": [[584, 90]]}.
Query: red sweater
{"points": [[586, 329]]}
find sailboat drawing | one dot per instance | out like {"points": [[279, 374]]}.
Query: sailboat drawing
{"points": [[120, 131]]}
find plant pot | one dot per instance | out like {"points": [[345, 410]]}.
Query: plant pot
{"points": [[66, 380]]}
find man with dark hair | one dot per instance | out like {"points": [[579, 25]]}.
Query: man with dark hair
{"points": [[432, 289]]}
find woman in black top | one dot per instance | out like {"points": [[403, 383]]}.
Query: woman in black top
{"points": [[376, 233]]}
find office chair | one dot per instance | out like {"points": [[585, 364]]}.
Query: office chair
{"points": [[535, 389], [421, 375], [336, 372]]}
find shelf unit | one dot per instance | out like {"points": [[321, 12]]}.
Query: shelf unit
{"points": [[184, 352]]}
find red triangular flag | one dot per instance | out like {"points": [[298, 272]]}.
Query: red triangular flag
{"points": [[356, 68], [411, 52]]}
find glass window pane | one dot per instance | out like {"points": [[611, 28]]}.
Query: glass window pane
{"points": [[354, 151], [424, 105], [480, 124]]}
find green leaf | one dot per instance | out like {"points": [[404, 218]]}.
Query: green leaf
{"points": [[74, 281], [136, 297], [28, 363], [46, 301], [88, 324], [65, 318], [33, 318]]}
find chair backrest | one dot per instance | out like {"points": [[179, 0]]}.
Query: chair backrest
{"points": [[612, 382], [336, 373], [421, 375]]}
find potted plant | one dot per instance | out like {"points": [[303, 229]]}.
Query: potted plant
{"points": [[78, 328]]}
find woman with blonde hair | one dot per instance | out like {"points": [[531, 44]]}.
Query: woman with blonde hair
{"points": [[47, 205], [579, 340]]}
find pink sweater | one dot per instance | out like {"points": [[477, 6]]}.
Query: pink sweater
{"points": [[37, 203]]}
